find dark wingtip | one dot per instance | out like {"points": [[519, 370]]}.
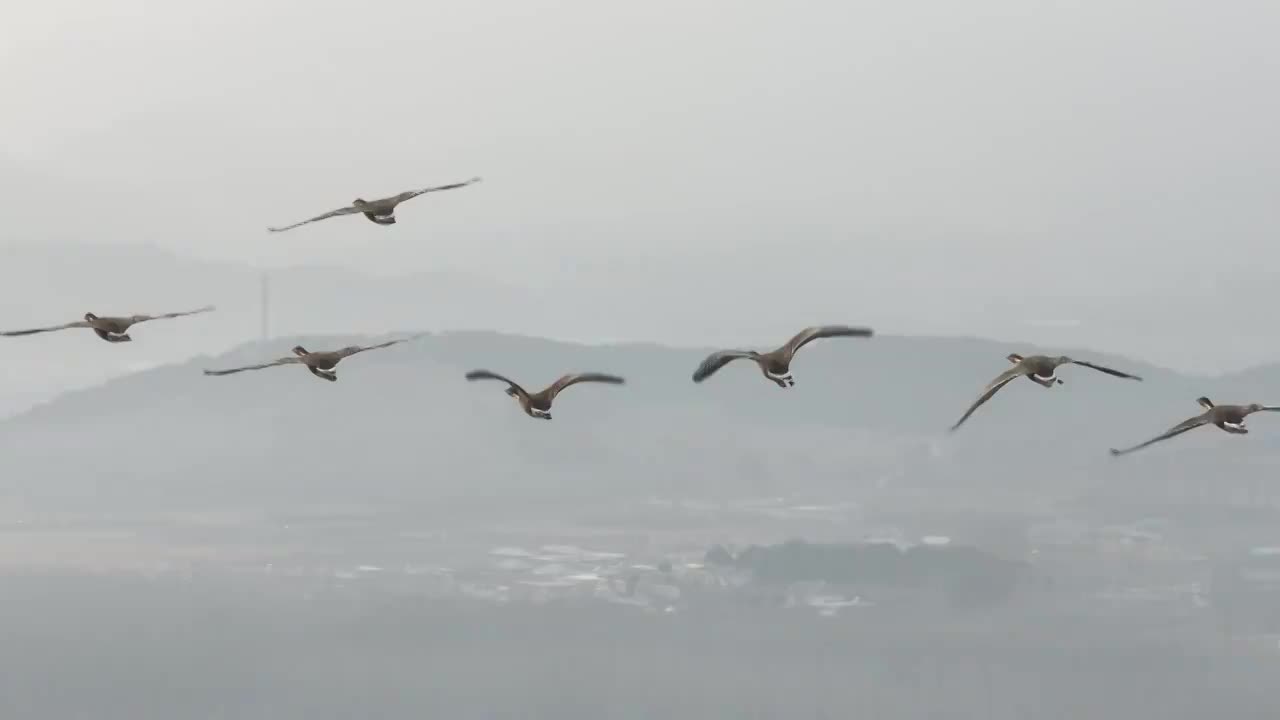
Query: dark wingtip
{"points": [[475, 374], [1115, 453]]}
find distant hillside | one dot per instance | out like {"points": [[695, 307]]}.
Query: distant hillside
{"points": [[402, 425], [58, 284], [59, 275]]}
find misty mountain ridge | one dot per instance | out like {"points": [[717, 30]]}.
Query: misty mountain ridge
{"points": [[316, 299], [589, 297], [402, 425]]}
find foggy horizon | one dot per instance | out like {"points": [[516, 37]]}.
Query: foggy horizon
{"points": [[198, 521]]}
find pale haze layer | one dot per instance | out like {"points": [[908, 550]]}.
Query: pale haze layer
{"points": [[1102, 174], [662, 179]]}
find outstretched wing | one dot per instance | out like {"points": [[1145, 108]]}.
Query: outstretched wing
{"points": [[1185, 425], [489, 375], [274, 363], [1001, 380], [415, 193], [33, 331], [717, 360], [168, 316], [349, 351], [809, 334], [575, 378], [332, 213], [1107, 370]]}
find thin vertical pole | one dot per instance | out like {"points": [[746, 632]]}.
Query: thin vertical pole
{"points": [[266, 307]]}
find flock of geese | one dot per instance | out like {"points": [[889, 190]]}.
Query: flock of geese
{"points": [[775, 364]]}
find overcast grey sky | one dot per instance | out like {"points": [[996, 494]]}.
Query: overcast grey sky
{"points": [[992, 167]]}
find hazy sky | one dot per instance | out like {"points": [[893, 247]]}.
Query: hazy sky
{"points": [[989, 167]]}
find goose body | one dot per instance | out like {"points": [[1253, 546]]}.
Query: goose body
{"points": [[1228, 418], [321, 363], [775, 365], [538, 404], [1040, 369], [382, 211], [111, 329]]}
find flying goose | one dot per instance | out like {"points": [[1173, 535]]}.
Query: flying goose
{"points": [[1040, 369], [776, 364], [321, 364], [538, 405], [1228, 417], [382, 212], [111, 329]]}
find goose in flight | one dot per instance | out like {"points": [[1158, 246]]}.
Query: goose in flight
{"points": [[382, 212], [111, 329], [1041, 369], [538, 405], [1227, 417], [776, 364], [321, 363]]}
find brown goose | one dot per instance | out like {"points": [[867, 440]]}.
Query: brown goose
{"points": [[111, 329], [538, 405], [776, 364], [382, 212], [1227, 417], [321, 364], [1041, 369]]}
